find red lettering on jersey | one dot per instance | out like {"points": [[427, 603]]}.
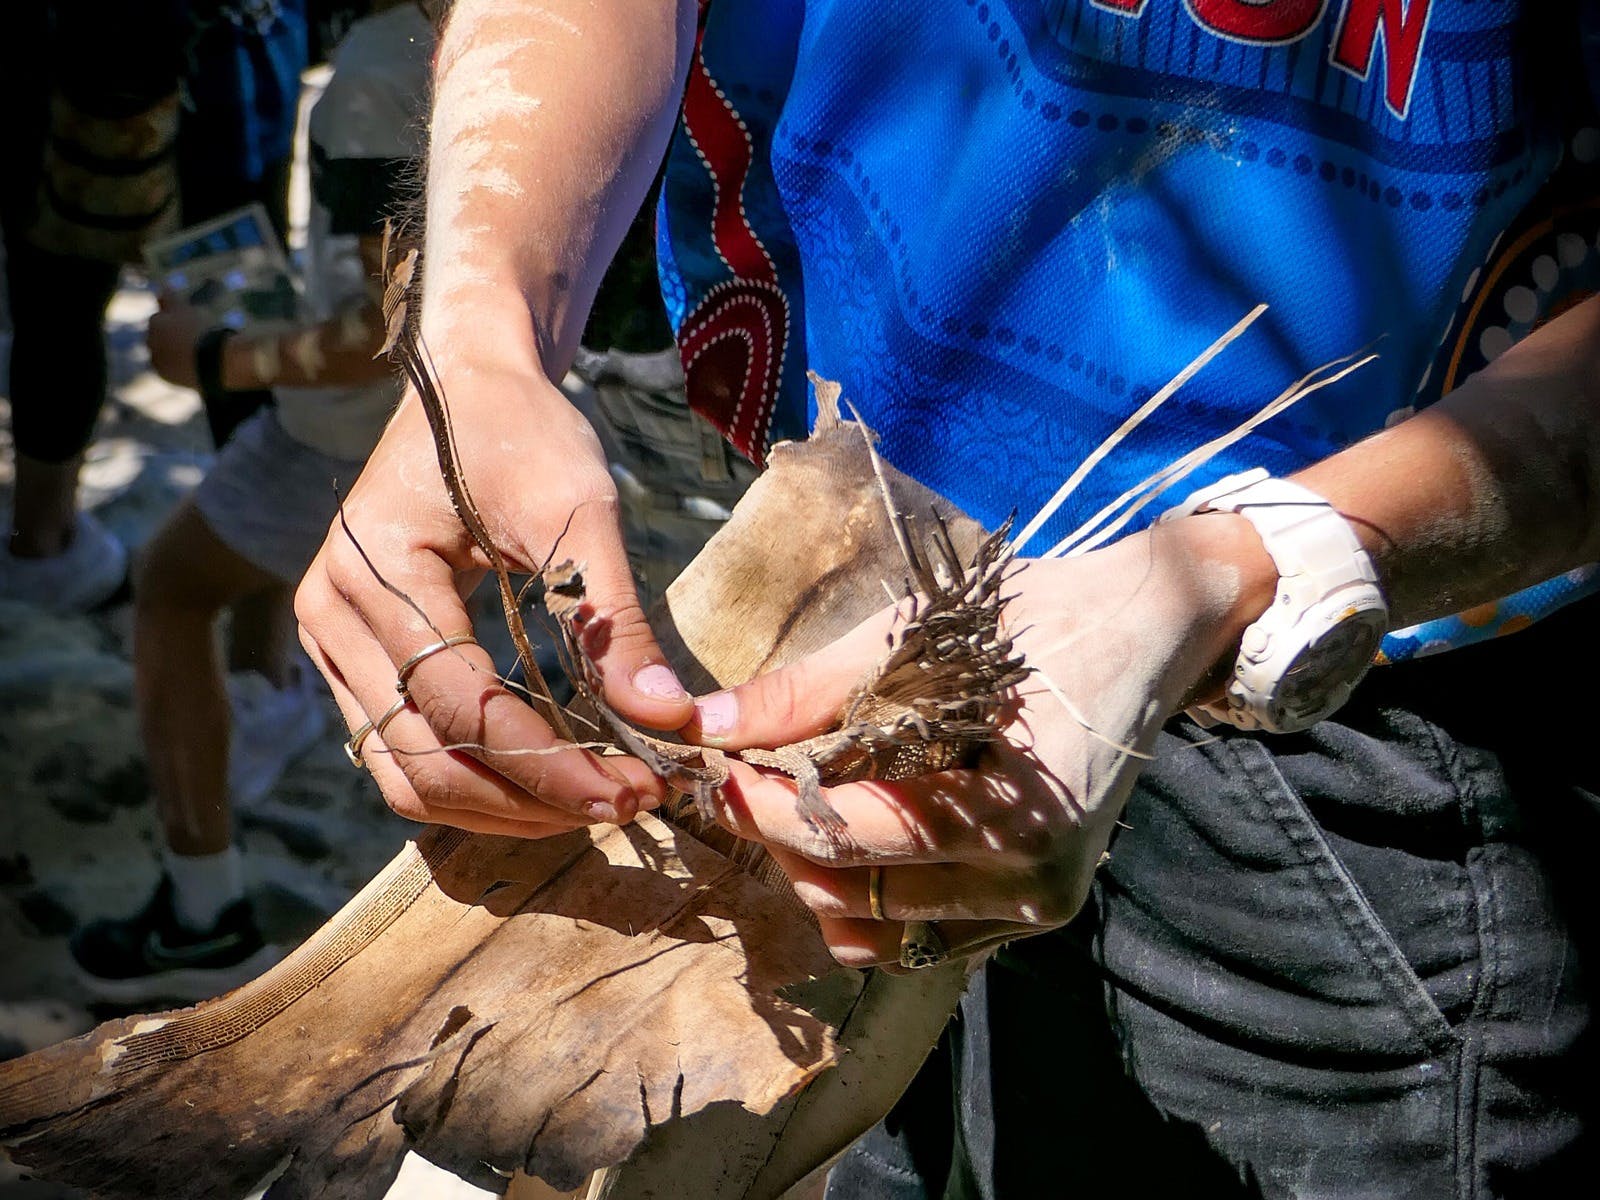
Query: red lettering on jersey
{"points": [[1123, 8], [1403, 31], [1262, 22]]}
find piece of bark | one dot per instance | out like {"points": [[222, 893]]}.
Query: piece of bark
{"points": [[651, 994], [895, 1019], [510, 1015]]}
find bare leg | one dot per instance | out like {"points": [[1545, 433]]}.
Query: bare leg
{"points": [[261, 634], [185, 580], [44, 506]]}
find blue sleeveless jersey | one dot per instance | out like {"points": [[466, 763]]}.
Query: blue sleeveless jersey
{"points": [[1003, 225]]}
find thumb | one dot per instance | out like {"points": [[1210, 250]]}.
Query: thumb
{"points": [[794, 702], [635, 679]]}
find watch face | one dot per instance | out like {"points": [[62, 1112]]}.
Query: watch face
{"points": [[1326, 669]]}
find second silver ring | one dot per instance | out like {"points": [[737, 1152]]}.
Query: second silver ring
{"points": [[358, 739]]}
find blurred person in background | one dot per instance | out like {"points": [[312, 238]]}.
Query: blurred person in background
{"points": [[255, 521], [122, 121]]}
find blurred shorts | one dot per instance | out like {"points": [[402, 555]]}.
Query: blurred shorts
{"points": [[270, 499]]}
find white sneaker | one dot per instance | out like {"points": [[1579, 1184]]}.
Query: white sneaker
{"points": [[79, 579], [271, 729]]}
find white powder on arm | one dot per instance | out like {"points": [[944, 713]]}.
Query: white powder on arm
{"points": [[549, 121]]}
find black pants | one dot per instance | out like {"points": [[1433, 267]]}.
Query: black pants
{"points": [[56, 302], [58, 353], [1354, 962]]}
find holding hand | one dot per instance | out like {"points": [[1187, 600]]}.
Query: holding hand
{"points": [[173, 334], [1115, 639], [463, 750]]}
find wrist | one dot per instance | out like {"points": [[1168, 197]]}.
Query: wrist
{"points": [[237, 368], [478, 324], [1300, 660], [209, 349], [1221, 576]]}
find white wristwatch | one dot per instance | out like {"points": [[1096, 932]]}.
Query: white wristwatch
{"points": [[1300, 661]]}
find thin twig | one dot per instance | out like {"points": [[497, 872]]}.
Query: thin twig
{"points": [[349, 533], [405, 344], [480, 748]]}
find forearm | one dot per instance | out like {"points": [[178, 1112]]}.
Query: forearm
{"points": [[549, 121], [1490, 490], [338, 352]]}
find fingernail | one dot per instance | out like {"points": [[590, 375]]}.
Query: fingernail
{"points": [[599, 810], [717, 713], [658, 682]]}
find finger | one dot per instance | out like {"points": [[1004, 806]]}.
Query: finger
{"points": [[459, 703], [452, 788], [457, 693], [794, 702], [861, 943], [474, 822], [988, 816], [925, 892], [635, 679], [480, 800], [857, 943], [1001, 934]]}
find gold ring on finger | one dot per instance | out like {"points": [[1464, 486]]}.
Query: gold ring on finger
{"points": [[875, 893], [402, 682]]}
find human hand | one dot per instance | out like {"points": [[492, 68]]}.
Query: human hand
{"points": [[172, 335], [468, 752], [1008, 848]]}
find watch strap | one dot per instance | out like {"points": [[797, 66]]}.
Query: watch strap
{"points": [[1325, 579], [1315, 550]]}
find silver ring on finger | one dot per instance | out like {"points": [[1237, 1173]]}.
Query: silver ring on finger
{"points": [[352, 748], [922, 946], [402, 681]]}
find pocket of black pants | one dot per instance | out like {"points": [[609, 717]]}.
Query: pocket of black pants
{"points": [[1227, 908]]}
